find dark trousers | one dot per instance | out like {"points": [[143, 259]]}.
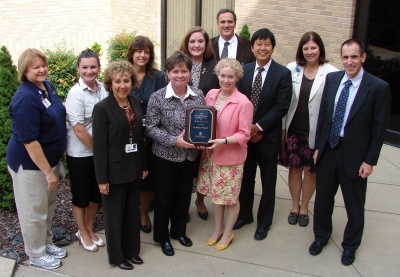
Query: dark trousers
{"points": [[330, 174], [172, 195], [122, 219], [268, 164]]}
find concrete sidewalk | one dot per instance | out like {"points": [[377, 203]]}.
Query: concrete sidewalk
{"points": [[283, 253]]}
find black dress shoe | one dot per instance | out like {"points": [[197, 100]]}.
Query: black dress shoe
{"points": [[316, 248], [184, 240], [167, 249], [348, 257], [293, 218], [136, 260], [125, 266], [145, 228], [261, 233], [202, 215], [240, 223]]}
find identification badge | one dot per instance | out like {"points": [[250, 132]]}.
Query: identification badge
{"points": [[46, 102], [130, 148]]}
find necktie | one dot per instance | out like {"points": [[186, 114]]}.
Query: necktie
{"points": [[224, 53], [255, 92], [338, 117]]}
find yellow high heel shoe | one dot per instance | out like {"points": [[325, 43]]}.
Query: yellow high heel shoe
{"points": [[211, 242], [221, 247]]}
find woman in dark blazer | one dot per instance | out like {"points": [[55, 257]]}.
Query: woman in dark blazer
{"points": [[141, 56], [197, 45], [120, 163]]}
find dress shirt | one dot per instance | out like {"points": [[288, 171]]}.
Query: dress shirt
{"points": [[263, 76], [79, 104], [352, 95], [232, 47]]}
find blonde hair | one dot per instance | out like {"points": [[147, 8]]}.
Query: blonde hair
{"points": [[26, 59], [118, 68], [231, 62]]}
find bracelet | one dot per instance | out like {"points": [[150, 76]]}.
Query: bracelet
{"points": [[226, 141]]}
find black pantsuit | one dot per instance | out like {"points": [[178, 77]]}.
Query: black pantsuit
{"points": [[172, 195], [122, 221], [268, 171]]}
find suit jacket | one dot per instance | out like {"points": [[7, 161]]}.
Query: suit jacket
{"points": [[273, 104], [208, 79], [148, 86], [366, 124], [244, 54], [314, 99], [234, 119], [111, 132]]}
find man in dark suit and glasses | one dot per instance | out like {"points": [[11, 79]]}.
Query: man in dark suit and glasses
{"points": [[228, 44], [352, 122], [268, 85]]}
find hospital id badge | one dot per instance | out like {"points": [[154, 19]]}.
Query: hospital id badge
{"points": [[130, 148], [46, 102]]}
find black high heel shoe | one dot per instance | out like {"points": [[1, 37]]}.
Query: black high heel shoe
{"points": [[202, 215]]}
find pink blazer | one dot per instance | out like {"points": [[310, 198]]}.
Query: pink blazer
{"points": [[234, 119]]}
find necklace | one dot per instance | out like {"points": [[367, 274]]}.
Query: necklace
{"points": [[127, 105], [223, 98]]}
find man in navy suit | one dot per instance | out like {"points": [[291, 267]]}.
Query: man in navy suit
{"points": [[237, 47], [271, 102], [345, 154]]}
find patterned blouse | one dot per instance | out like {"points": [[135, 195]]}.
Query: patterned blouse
{"points": [[165, 120], [195, 76]]}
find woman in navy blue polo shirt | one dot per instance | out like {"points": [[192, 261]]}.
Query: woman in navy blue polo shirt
{"points": [[33, 157]]}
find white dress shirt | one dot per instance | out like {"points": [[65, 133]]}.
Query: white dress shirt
{"points": [[232, 47]]}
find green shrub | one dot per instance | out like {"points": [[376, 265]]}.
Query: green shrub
{"points": [[118, 46], [245, 33], [62, 68], [8, 85]]}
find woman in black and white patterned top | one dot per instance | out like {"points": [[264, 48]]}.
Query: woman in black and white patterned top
{"points": [[173, 158]]}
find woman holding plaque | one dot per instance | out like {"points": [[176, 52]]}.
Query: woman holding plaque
{"points": [[141, 56], [197, 45], [221, 167], [173, 157]]}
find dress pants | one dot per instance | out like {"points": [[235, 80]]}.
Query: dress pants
{"points": [[35, 205], [331, 173], [122, 219], [268, 164], [172, 195]]}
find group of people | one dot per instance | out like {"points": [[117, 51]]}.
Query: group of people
{"points": [[125, 138]]}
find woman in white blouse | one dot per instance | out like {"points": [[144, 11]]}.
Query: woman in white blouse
{"points": [[84, 188]]}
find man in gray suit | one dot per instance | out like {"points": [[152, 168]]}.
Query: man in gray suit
{"points": [[228, 44], [352, 122]]}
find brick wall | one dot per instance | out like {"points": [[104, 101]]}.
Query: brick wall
{"points": [[290, 19], [41, 23]]}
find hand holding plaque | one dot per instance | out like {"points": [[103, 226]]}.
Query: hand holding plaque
{"points": [[200, 125]]}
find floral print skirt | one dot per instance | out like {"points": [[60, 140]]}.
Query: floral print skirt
{"points": [[221, 182], [297, 153]]}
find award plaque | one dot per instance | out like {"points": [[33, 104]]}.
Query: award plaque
{"points": [[200, 125]]}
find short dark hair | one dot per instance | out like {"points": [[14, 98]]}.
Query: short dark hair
{"points": [[141, 43], [88, 53], [263, 34], [178, 58], [208, 51], [352, 41], [310, 36], [221, 11]]}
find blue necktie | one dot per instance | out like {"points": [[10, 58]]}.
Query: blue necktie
{"points": [[338, 117], [224, 53]]}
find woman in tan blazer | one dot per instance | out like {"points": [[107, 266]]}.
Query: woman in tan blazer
{"points": [[299, 125]]}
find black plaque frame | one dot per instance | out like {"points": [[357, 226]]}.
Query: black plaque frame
{"points": [[201, 123]]}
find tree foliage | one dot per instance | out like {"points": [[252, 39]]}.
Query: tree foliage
{"points": [[8, 86], [245, 33], [118, 45]]}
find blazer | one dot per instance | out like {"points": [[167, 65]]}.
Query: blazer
{"points": [[208, 79], [244, 54], [313, 101], [273, 104], [366, 124], [111, 133], [148, 86], [234, 119]]}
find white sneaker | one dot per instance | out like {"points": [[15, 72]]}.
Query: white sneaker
{"points": [[55, 251], [46, 262]]}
